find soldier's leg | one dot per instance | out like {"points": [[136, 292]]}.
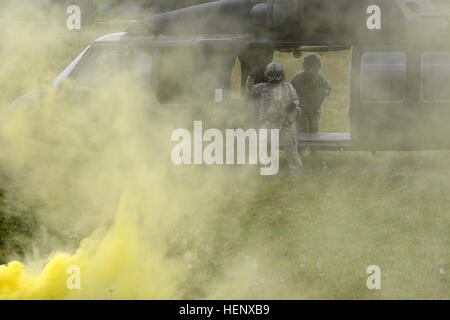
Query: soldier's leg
{"points": [[302, 123], [289, 144], [314, 121], [306, 120]]}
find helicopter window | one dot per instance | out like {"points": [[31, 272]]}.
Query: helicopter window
{"points": [[435, 77], [176, 76], [383, 77], [98, 70], [144, 66]]}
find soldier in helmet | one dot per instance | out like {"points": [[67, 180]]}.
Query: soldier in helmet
{"points": [[312, 88], [278, 108]]}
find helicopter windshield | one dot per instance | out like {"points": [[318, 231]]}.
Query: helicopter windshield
{"points": [[66, 72], [98, 69]]}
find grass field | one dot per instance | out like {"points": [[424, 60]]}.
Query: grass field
{"points": [[350, 210], [312, 238]]}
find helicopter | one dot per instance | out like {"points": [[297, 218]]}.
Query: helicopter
{"points": [[399, 73]]}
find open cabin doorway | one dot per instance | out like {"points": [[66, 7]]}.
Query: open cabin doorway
{"points": [[336, 68]]}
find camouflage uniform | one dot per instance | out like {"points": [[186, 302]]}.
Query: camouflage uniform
{"points": [[277, 110], [312, 88]]}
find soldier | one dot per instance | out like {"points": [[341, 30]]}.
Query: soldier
{"points": [[278, 108], [312, 88]]}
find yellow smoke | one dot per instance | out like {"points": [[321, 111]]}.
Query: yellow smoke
{"points": [[75, 165], [113, 265]]}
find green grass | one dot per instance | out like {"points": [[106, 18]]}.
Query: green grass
{"points": [[315, 237], [16, 230]]}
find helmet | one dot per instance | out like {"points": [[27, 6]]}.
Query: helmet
{"points": [[312, 62], [274, 73]]}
